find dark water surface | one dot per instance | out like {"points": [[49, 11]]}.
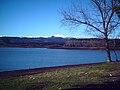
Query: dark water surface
{"points": [[26, 58]]}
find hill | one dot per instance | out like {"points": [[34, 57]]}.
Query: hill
{"points": [[40, 42], [58, 42]]}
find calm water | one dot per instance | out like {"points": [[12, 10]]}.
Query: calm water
{"points": [[25, 58]]}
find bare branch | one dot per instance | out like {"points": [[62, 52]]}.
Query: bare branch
{"points": [[74, 20], [97, 3], [111, 15]]}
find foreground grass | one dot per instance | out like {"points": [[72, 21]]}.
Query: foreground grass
{"points": [[62, 79]]}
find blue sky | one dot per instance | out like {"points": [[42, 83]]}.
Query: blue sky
{"points": [[34, 18]]}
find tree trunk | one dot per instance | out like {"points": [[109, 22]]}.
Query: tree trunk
{"points": [[108, 55], [108, 49]]}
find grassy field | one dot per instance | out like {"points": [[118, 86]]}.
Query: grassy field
{"points": [[77, 77]]}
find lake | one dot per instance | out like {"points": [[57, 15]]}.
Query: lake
{"points": [[27, 58]]}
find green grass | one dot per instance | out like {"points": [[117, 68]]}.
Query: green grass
{"points": [[68, 78]]}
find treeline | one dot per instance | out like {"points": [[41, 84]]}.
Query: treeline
{"points": [[92, 44]]}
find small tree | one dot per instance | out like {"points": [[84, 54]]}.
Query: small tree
{"points": [[102, 19]]}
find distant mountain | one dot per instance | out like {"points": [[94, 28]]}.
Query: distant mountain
{"points": [[31, 42]]}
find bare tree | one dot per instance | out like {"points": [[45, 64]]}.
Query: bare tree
{"points": [[100, 19]]}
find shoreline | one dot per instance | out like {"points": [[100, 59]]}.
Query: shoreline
{"points": [[24, 72], [67, 48]]}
